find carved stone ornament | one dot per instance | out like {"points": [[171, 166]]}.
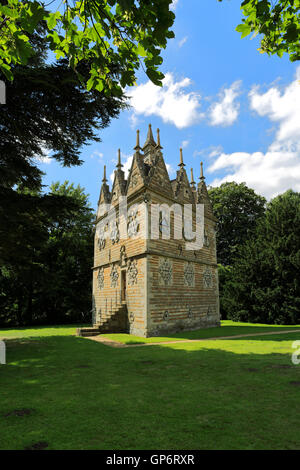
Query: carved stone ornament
{"points": [[133, 181], [166, 315], [114, 276], [147, 197], [133, 225], [207, 278], [100, 278], [165, 272], [101, 239], [132, 272], [123, 257], [189, 275], [114, 233]]}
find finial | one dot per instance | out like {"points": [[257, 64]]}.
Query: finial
{"points": [[202, 178], [181, 164], [119, 165], [149, 139], [137, 147], [158, 139], [192, 179], [104, 175]]}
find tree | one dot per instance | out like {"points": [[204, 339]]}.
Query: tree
{"points": [[47, 111], [263, 284], [101, 33], [52, 282], [237, 209], [278, 22], [68, 257]]}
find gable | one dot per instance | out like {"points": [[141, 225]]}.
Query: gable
{"points": [[158, 177], [136, 177], [183, 190], [118, 188]]}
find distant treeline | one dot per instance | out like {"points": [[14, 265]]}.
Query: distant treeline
{"points": [[258, 245], [47, 257], [45, 277]]}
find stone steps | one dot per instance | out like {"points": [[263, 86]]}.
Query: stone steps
{"points": [[91, 331], [110, 323]]}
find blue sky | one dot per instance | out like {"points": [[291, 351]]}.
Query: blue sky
{"points": [[226, 104]]}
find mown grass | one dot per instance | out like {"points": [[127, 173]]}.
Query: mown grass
{"points": [[39, 331], [228, 328], [79, 394]]}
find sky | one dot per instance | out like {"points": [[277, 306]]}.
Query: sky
{"points": [[222, 102]]}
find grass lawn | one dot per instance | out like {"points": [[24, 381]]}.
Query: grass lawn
{"points": [[228, 328], [59, 391]]}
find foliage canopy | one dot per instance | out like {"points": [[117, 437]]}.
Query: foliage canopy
{"points": [[278, 22], [237, 209], [54, 246], [98, 32], [263, 283]]}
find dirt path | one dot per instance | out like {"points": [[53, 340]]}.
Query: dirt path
{"points": [[116, 344]]}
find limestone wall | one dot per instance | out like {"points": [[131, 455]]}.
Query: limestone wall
{"points": [[182, 295]]}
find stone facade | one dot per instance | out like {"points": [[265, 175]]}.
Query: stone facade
{"points": [[148, 286]]}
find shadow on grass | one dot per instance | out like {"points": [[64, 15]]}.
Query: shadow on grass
{"points": [[213, 332], [85, 395], [231, 330]]}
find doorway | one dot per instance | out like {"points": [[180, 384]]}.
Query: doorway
{"points": [[123, 286]]}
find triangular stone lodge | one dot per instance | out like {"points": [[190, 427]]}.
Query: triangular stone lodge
{"points": [[144, 286]]}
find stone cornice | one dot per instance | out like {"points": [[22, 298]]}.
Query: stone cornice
{"points": [[141, 192], [158, 253]]}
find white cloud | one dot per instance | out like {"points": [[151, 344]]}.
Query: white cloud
{"points": [[173, 4], [226, 110], [278, 169], [45, 158], [211, 151], [182, 41], [283, 108], [170, 170], [170, 102], [269, 174], [97, 154], [134, 120], [184, 143]]}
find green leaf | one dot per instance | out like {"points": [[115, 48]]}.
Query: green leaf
{"points": [[90, 83], [5, 68], [141, 51], [99, 86], [59, 54], [243, 28], [155, 76], [52, 19]]}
